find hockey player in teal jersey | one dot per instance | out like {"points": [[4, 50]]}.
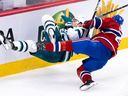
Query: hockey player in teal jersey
{"points": [[49, 33]]}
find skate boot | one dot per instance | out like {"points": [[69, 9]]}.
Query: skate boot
{"points": [[87, 85], [5, 42], [2, 38]]}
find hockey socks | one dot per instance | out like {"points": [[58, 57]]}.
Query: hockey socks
{"points": [[83, 74], [86, 78], [59, 46]]}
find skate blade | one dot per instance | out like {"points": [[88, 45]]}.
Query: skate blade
{"points": [[87, 87]]}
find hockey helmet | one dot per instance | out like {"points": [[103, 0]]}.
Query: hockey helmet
{"points": [[118, 19]]}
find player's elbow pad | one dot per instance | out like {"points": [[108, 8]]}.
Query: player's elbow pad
{"points": [[97, 22]]}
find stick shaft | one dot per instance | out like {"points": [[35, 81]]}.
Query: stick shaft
{"points": [[113, 10], [94, 14]]}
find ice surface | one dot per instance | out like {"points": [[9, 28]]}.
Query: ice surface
{"points": [[61, 80]]}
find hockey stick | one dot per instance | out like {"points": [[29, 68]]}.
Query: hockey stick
{"points": [[93, 17], [113, 10]]}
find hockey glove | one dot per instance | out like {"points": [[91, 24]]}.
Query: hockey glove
{"points": [[41, 45], [88, 24]]}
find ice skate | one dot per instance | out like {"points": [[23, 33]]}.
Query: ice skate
{"points": [[5, 42], [2, 38], [87, 85]]}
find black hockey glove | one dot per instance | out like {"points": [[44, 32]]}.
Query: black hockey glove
{"points": [[41, 45]]}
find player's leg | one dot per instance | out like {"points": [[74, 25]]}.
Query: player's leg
{"points": [[24, 46], [29, 45], [88, 47], [84, 71], [83, 74], [20, 46], [94, 49], [85, 77], [49, 28]]}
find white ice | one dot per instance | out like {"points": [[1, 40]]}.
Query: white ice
{"points": [[61, 80]]}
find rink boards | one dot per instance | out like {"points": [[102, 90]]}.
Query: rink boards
{"points": [[24, 23]]}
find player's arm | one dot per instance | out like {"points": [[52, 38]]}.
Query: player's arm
{"points": [[99, 23]]}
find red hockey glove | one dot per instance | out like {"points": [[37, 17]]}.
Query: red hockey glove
{"points": [[88, 24], [59, 46]]}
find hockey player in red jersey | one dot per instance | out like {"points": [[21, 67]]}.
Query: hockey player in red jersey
{"points": [[100, 48]]}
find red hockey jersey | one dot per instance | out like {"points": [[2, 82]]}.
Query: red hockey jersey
{"points": [[110, 33]]}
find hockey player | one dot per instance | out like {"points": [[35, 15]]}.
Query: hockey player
{"points": [[50, 33], [99, 48], [73, 27]]}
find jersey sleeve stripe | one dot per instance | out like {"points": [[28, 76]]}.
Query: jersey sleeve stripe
{"points": [[116, 32]]}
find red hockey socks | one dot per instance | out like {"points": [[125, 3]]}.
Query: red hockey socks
{"points": [[83, 74], [59, 46]]}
